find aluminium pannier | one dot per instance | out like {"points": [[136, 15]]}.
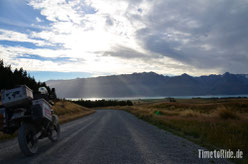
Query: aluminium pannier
{"points": [[17, 96], [42, 109]]}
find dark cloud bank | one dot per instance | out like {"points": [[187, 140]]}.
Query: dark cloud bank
{"points": [[202, 34]]}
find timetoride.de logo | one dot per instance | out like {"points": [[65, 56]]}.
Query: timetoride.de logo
{"points": [[222, 153]]}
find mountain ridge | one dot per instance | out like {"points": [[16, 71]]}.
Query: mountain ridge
{"points": [[151, 84]]}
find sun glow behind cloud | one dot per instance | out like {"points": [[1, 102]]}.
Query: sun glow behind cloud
{"points": [[125, 36], [83, 36]]}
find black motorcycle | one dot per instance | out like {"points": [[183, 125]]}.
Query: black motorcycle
{"points": [[32, 115]]}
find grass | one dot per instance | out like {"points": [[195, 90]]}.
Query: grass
{"points": [[224, 113], [66, 111], [213, 123]]}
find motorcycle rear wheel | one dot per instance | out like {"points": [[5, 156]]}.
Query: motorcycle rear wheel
{"points": [[55, 133], [26, 138]]}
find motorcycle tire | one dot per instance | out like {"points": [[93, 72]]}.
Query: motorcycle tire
{"points": [[55, 134], [26, 138]]}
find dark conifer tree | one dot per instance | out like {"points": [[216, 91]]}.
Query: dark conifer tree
{"points": [[10, 79]]}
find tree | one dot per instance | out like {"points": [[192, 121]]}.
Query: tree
{"points": [[10, 79]]}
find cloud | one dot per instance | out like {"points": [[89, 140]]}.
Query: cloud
{"points": [[8, 35], [125, 36], [38, 19], [199, 33], [38, 57], [109, 21], [125, 53]]}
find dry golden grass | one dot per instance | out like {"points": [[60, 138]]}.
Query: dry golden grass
{"points": [[213, 123], [66, 111], [224, 113]]}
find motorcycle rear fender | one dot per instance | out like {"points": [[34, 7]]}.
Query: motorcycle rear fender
{"points": [[18, 115]]}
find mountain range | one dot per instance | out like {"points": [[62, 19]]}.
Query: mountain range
{"points": [[148, 84]]}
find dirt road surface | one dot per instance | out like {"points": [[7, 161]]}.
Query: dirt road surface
{"points": [[105, 137]]}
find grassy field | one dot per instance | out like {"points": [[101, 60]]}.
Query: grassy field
{"points": [[66, 111], [213, 123]]}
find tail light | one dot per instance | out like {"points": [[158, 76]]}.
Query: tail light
{"points": [[2, 115]]}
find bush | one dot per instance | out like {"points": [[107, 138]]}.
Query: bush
{"points": [[226, 114]]}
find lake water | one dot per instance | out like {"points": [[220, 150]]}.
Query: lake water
{"points": [[160, 97]]}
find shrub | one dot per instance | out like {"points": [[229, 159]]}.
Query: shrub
{"points": [[224, 113]]}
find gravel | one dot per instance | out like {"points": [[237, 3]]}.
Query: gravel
{"points": [[109, 136]]}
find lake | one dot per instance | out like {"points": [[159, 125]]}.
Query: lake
{"points": [[159, 97]]}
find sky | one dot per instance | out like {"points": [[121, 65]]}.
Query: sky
{"points": [[64, 39]]}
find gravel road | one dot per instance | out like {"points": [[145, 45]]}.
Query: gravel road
{"points": [[106, 137]]}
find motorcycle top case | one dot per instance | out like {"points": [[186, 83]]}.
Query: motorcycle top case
{"points": [[17, 96], [44, 110]]}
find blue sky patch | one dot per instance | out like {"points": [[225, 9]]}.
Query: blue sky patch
{"points": [[50, 75], [28, 45], [38, 57], [15, 44], [17, 15]]}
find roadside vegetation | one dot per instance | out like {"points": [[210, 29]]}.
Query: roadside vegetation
{"points": [[66, 111], [103, 103], [213, 123]]}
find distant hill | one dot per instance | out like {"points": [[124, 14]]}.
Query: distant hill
{"points": [[151, 84]]}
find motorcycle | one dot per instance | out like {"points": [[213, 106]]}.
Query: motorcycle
{"points": [[31, 115]]}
